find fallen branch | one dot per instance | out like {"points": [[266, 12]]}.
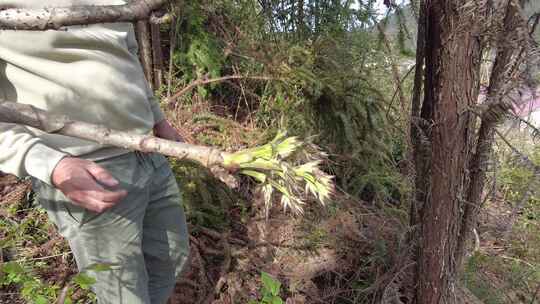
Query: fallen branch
{"points": [[55, 18]]}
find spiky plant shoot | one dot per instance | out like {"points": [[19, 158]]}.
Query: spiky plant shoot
{"points": [[287, 168]]}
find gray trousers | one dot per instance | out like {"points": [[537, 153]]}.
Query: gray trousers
{"points": [[143, 238]]}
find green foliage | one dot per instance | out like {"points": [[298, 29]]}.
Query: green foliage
{"points": [[514, 180], [21, 231], [512, 274], [32, 288], [84, 281], [478, 284], [501, 279], [331, 80], [199, 54], [36, 291], [286, 167], [204, 197], [270, 290], [29, 229]]}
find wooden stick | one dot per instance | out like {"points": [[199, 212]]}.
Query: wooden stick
{"points": [[55, 18], [28, 115]]}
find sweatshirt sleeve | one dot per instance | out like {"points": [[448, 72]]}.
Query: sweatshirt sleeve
{"points": [[25, 154], [133, 48]]}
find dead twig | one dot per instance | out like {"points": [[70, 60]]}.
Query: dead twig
{"points": [[204, 80], [188, 282], [63, 294]]}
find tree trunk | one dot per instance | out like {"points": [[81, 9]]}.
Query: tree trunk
{"points": [[496, 102], [417, 130], [157, 54], [145, 50], [451, 87]]}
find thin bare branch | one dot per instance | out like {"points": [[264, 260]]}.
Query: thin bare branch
{"points": [[203, 81]]}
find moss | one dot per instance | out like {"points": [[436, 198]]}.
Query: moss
{"points": [[205, 198]]}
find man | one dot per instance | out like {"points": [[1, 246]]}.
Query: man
{"points": [[115, 207]]}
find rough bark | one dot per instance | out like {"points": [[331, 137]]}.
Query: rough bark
{"points": [[55, 18], [495, 102], [28, 115], [451, 87]]}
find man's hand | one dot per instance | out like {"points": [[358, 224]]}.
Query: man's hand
{"points": [[163, 129], [82, 181]]}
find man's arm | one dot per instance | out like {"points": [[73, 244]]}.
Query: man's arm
{"points": [[25, 154], [80, 180]]}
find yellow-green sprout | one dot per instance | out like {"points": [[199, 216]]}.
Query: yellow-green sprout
{"points": [[287, 169]]}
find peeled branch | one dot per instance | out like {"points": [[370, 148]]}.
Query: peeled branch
{"points": [[285, 167], [24, 114], [30, 19]]}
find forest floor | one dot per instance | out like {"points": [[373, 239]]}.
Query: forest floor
{"points": [[315, 258], [310, 255]]}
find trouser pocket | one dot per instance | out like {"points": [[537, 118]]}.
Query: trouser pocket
{"points": [[59, 208]]}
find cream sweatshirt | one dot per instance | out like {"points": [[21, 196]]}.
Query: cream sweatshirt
{"points": [[89, 73]]}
